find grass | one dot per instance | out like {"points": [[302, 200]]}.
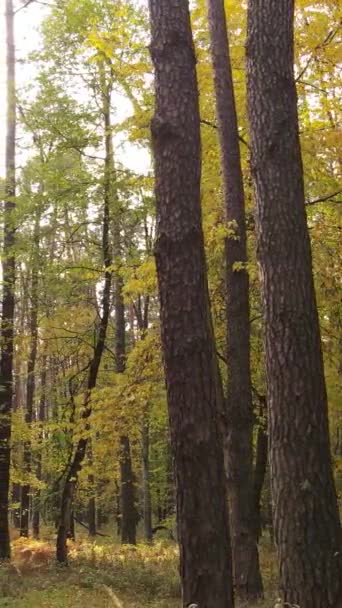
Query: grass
{"points": [[102, 575]]}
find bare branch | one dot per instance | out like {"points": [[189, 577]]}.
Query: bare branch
{"points": [[214, 126], [25, 5], [325, 198]]}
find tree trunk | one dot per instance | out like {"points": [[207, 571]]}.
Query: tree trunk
{"points": [[80, 451], [41, 419], [247, 576], [142, 314], [118, 509], [259, 477], [128, 510], [81, 447], [92, 511], [92, 499], [146, 480], [30, 384], [306, 519], [194, 390], [8, 283]]}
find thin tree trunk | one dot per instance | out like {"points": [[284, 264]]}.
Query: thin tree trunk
{"points": [[30, 385], [118, 509], [194, 390], [92, 510], [146, 480], [41, 419], [259, 477], [81, 447], [92, 499], [128, 510], [71, 530], [142, 314], [79, 455], [8, 282], [247, 576], [306, 518]]}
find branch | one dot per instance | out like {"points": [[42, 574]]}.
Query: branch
{"points": [[87, 528], [220, 356], [214, 126], [329, 37], [324, 199], [27, 3]]}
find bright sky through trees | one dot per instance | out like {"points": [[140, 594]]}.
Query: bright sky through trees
{"points": [[27, 22]]}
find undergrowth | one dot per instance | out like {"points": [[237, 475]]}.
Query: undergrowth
{"points": [[102, 575]]}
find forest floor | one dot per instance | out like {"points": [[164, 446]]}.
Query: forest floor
{"points": [[103, 574]]}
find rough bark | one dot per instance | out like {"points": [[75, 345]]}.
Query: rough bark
{"points": [[306, 519], [246, 569], [8, 282], [194, 391]]}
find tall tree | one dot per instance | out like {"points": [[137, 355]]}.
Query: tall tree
{"points": [[194, 391], [31, 379], [8, 280], [307, 526], [41, 416], [128, 512], [247, 577], [93, 367]]}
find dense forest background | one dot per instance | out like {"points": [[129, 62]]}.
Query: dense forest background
{"points": [[89, 400]]}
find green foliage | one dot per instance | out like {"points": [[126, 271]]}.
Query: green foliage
{"points": [[90, 51]]}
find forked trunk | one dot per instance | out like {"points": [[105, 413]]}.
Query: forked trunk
{"points": [[194, 391]]}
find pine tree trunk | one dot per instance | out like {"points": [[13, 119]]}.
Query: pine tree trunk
{"points": [[247, 576], [194, 390], [8, 286], [306, 519]]}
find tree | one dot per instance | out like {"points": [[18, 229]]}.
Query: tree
{"points": [[8, 293], [247, 577], [194, 391], [307, 527], [31, 371], [77, 458]]}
